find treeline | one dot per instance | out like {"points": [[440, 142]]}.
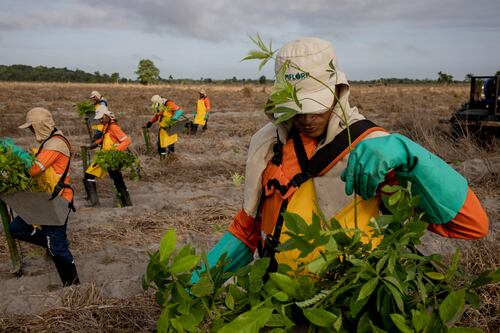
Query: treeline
{"points": [[53, 74]]}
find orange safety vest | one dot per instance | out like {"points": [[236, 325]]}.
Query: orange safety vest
{"points": [[296, 193]]}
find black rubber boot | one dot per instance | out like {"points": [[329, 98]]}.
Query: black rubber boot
{"points": [[124, 197], [91, 189], [67, 272]]}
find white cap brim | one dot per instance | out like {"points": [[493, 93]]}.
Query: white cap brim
{"points": [[25, 125]]}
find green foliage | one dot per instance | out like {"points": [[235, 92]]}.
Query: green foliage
{"points": [[50, 74], [444, 78], [115, 160], [147, 72], [351, 287], [13, 174], [115, 77], [85, 108], [237, 179]]}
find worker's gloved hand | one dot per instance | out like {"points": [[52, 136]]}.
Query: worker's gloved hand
{"points": [[236, 251], [18, 151], [149, 124], [442, 189]]}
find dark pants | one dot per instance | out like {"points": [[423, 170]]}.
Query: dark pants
{"points": [[166, 150], [116, 176], [50, 237]]}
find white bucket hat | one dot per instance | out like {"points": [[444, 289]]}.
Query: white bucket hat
{"points": [[95, 94], [310, 57], [103, 110], [156, 99]]}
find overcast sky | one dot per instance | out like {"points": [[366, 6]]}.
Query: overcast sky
{"points": [[208, 38]]}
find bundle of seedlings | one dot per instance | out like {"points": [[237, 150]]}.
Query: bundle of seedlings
{"points": [[85, 108], [14, 176], [352, 286], [115, 160]]}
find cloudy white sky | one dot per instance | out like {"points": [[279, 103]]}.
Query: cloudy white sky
{"points": [[208, 38]]}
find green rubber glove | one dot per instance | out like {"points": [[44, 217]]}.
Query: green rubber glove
{"points": [[177, 114], [18, 151], [238, 255], [442, 189]]}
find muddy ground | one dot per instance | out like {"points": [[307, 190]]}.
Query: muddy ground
{"points": [[193, 192]]}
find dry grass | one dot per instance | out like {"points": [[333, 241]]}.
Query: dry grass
{"points": [[83, 310]]}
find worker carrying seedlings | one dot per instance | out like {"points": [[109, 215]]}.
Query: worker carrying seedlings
{"points": [[113, 138], [94, 124], [51, 171], [300, 163], [202, 111], [167, 113]]}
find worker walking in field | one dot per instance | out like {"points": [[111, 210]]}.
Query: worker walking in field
{"points": [[94, 124], [166, 113], [113, 138], [51, 170], [202, 111], [304, 165]]}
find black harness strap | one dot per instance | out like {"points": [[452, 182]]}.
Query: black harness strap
{"points": [[326, 154], [60, 183], [310, 168]]}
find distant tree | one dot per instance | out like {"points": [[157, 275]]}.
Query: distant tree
{"points": [[468, 77], [234, 79], [444, 78], [497, 73], [147, 72], [170, 77], [262, 79], [115, 77]]}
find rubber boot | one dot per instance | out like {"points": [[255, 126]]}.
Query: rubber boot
{"points": [[67, 272], [91, 189], [124, 197]]}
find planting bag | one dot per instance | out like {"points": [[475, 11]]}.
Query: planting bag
{"points": [[96, 170], [178, 127], [166, 139], [442, 189], [36, 208]]}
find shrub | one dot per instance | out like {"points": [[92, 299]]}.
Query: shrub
{"points": [[350, 287]]}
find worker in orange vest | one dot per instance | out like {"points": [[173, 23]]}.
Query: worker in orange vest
{"points": [[202, 111]]}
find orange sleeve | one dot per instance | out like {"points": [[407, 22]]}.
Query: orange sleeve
{"points": [[471, 222], [44, 160], [154, 118], [207, 104], [120, 136], [172, 106], [246, 229]]}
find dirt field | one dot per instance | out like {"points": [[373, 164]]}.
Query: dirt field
{"points": [[194, 193]]}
